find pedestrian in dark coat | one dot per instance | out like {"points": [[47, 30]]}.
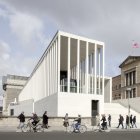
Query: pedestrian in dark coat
{"points": [[121, 119], [21, 118], [127, 121], [134, 121], [131, 120], [109, 120], [45, 120]]}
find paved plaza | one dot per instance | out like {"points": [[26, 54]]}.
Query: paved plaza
{"points": [[63, 129], [118, 135]]}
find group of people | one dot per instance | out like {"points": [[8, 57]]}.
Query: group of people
{"points": [[77, 120], [103, 122], [34, 120], [130, 121]]}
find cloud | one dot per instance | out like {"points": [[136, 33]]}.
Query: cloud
{"points": [[26, 27], [3, 13], [14, 63], [114, 22], [4, 51]]}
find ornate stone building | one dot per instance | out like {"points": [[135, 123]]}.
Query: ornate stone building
{"points": [[129, 79], [12, 85]]}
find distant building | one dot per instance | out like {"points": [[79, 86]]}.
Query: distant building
{"points": [[116, 87], [12, 85], [129, 79]]}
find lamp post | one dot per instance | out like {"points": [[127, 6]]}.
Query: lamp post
{"points": [[128, 91]]}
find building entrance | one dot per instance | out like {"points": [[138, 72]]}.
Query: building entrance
{"points": [[94, 107]]}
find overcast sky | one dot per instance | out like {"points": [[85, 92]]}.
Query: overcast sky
{"points": [[27, 26]]}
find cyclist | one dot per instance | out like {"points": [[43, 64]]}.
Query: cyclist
{"points": [[35, 119], [78, 122], [21, 118]]}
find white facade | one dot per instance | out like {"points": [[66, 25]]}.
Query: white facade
{"points": [[69, 78]]}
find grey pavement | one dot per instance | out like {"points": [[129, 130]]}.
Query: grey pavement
{"points": [[119, 135], [61, 129]]}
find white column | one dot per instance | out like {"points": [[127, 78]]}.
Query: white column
{"points": [[52, 69], [56, 65], [68, 64], [78, 63], [58, 70], [48, 72], [99, 76], [45, 76], [33, 106], [92, 72], [80, 76], [87, 68], [95, 73], [103, 66]]}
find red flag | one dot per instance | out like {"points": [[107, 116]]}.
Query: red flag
{"points": [[136, 45]]}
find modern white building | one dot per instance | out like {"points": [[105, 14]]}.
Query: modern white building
{"points": [[69, 78]]}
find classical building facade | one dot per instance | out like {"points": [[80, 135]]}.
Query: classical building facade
{"points": [[129, 79], [12, 85], [69, 78]]}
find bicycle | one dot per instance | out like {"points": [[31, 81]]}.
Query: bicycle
{"points": [[29, 127], [99, 128], [72, 128]]}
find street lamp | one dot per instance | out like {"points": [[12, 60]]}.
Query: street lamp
{"points": [[128, 91]]}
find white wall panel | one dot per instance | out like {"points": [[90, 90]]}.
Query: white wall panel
{"points": [[48, 104], [75, 104], [26, 106], [35, 88]]}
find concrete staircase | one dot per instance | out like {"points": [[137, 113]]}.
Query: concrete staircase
{"points": [[115, 109]]}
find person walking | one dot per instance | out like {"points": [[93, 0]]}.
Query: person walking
{"points": [[98, 120], [121, 119], [45, 120], [66, 120], [131, 121], [109, 120], [21, 118], [127, 121], [134, 121]]}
